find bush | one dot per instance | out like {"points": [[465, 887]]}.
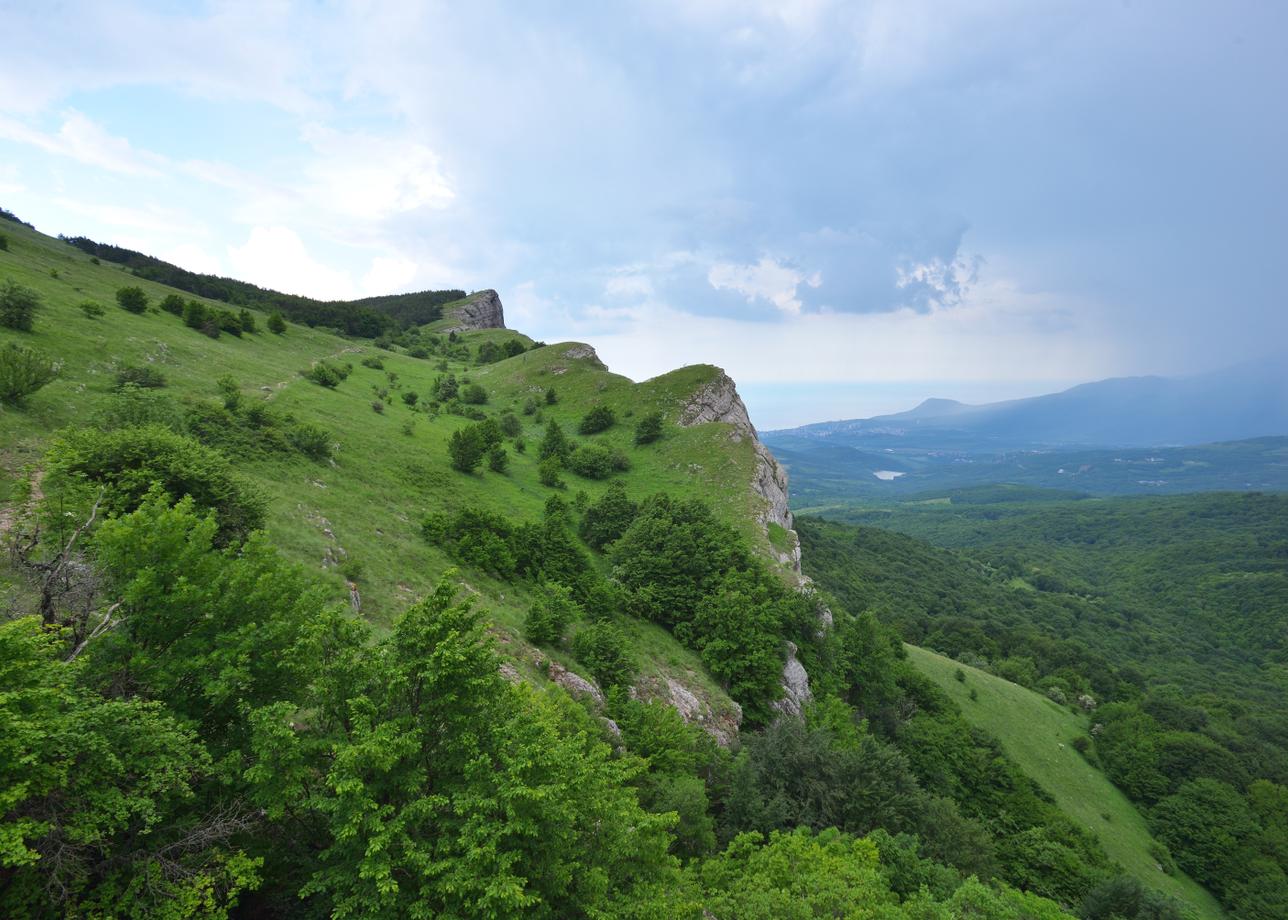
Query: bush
{"points": [[602, 648], [311, 440], [194, 314], [597, 461], [132, 299], [375, 362], [130, 462], [529, 406], [247, 320], [229, 322], [608, 518], [550, 615], [276, 324], [23, 371], [466, 448], [18, 306], [548, 473], [649, 428], [210, 328], [510, 426], [147, 378], [326, 374], [377, 407], [173, 303], [598, 419], [498, 460], [555, 443], [91, 309], [410, 398], [474, 394], [551, 396]]}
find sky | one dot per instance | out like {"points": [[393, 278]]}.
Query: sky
{"points": [[849, 206]]}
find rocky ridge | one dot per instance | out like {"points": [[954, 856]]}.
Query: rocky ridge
{"points": [[481, 310]]}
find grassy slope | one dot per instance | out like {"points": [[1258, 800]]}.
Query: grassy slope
{"points": [[1037, 734], [370, 500]]}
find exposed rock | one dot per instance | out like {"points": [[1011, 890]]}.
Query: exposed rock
{"points": [[796, 691], [481, 310], [721, 725], [509, 672], [574, 683], [718, 401]]}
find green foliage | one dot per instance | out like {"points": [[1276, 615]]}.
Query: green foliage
{"points": [[276, 324], [132, 299], [91, 309], [498, 460], [551, 396], [195, 314], [246, 320], [604, 650], [4, 243], [473, 394], [90, 786], [18, 306], [146, 378], [129, 462], [597, 461], [326, 374], [410, 398], [555, 444], [598, 419], [23, 371], [466, 448], [607, 519], [510, 426], [648, 429], [172, 303], [550, 615]]}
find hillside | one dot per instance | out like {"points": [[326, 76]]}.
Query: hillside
{"points": [[1040, 735]]}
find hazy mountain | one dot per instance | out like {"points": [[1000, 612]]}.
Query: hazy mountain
{"points": [[1246, 401]]}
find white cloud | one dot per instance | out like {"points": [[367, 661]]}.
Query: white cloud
{"points": [[275, 257], [389, 275], [84, 140], [767, 280], [372, 178]]}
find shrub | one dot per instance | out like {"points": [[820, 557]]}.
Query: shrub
{"points": [[598, 419], [520, 446], [377, 407], [513, 348], [194, 314], [498, 460], [374, 362], [132, 299], [173, 303], [474, 394], [960, 676], [276, 324], [18, 306], [410, 398], [210, 328], [529, 406], [147, 378], [129, 462], [466, 449], [597, 461], [551, 396], [91, 309], [23, 371], [550, 615], [548, 473], [555, 443], [229, 322], [326, 374], [311, 440], [602, 648], [247, 320], [510, 426], [649, 428], [417, 351]]}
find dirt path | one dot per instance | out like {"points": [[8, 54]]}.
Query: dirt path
{"points": [[276, 388]]}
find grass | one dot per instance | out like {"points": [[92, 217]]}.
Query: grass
{"points": [[1038, 734], [357, 517]]}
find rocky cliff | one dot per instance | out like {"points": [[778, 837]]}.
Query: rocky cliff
{"points": [[718, 401], [481, 310]]}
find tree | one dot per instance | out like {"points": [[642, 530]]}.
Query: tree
{"points": [[276, 324], [473, 394], [555, 443], [602, 648], [1206, 824], [132, 299], [18, 305], [128, 463], [649, 428], [551, 396], [247, 321], [598, 419], [498, 460], [194, 314], [597, 461], [466, 448], [548, 473], [23, 371], [607, 519], [550, 614], [172, 303]]}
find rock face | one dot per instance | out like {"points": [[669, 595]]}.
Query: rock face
{"points": [[576, 685], [693, 709], [719, 401], [479, 311], [796, 691]]}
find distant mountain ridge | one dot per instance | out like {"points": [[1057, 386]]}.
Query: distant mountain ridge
{"points": [[1246, 401]]}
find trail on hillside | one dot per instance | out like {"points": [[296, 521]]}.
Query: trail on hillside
{"points": [[274, 389]]}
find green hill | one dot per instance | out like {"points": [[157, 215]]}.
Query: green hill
{"points": [[1039, 735]]}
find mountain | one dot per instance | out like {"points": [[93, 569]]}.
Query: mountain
{"points": [[1237, 403]]}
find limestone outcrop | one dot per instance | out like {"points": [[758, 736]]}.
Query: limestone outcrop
{"points": [[796, 691], [481, 310]]}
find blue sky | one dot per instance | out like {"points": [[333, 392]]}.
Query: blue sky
{"points": [[849, 206]]}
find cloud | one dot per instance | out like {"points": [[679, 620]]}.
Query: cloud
{"points": [[275, 257], [82, 139], [767, 280], [371, 178]]}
